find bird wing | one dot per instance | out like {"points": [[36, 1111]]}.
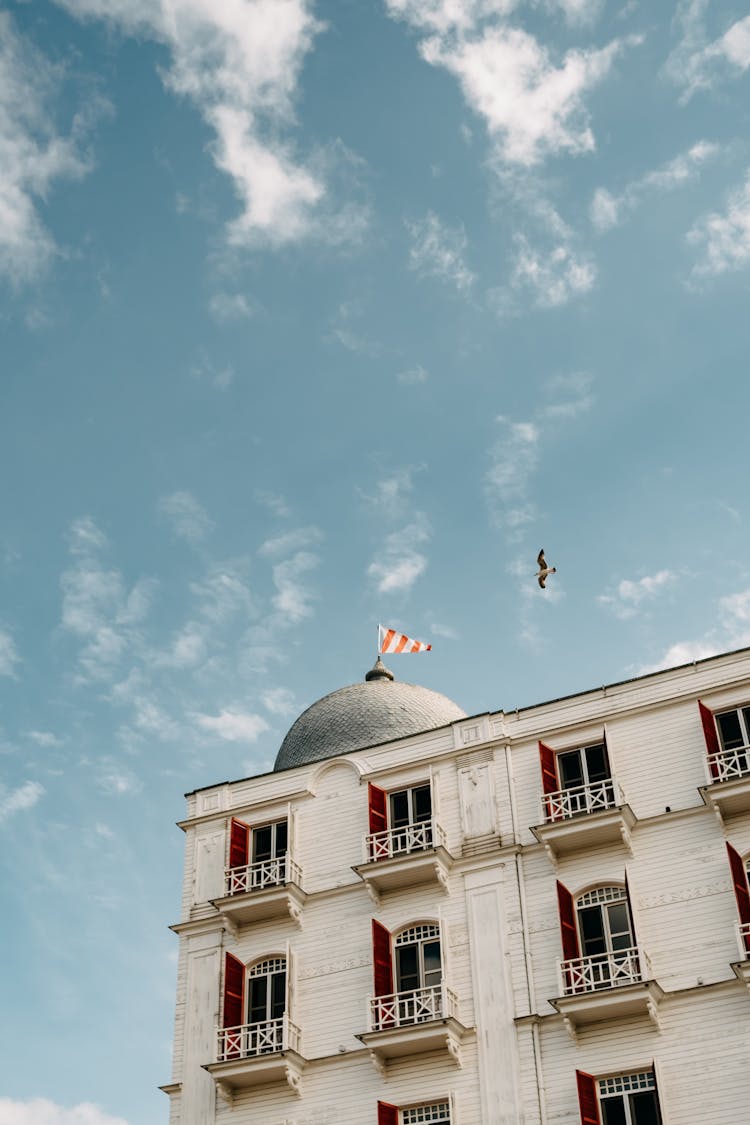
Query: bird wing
{"points": [[541, 580], [540, 559]]}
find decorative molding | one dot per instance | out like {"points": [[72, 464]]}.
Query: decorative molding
{"points": [[690, 895], [335, 967]]}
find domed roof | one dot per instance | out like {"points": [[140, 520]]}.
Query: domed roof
{"points": [[378, 710]]}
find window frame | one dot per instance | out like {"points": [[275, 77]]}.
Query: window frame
{"points": [[430, 935], [273, 825], [633, 1083], [253, 972], [582, 752], [407, 1115], [409, 791], [744, 723]]}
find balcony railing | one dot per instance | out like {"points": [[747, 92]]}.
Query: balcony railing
{"points": [[259, 876], [251, 1040], [601, 970], [403, 841], [406, 1009], [580, 799], [728, 765], [743, 939]]}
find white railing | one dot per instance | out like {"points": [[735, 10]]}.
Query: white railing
{"points": [[257, 876], [725, 765], [405, 1009], [601, 970], [743, 939], [565, 803], [249, 1040], [402, 841]]}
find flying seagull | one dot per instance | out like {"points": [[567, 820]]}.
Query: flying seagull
{"points": [[544, 570]]}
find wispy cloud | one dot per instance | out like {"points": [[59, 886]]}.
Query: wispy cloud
{"points": [[412, 376], [731, 631], [513, 458], [290, 541], [553, 277], [9, 657], [279, 701], [44, 738], [699, 64], [186, 516], [234, 726], [226, 307], [293, 598], [273, 501], [630, 596], [723, 238], [18, 800], [438, 250], [401, 559], [392, 492], [347, 329], [40, 1111], [568, 396], [35, 154], [609, 210]]}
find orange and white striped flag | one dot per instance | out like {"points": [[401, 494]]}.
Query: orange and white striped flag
{"points": [[391, 641]]}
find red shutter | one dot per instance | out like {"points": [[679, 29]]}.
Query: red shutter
{"points": [[711, 737], [381, 960], [238, 844], [549, 769], [387, 1114], [234, 1006], [377, 802], [587, 1100], [568, 929], [741, 892]]}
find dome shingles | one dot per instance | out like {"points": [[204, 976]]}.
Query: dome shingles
{"points": [[380, 709]]}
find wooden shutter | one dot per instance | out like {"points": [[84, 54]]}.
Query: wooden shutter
{"points": [[381, 960], [387, 1114], [660, 1112], [630, 910], [290, 982], [711, 737], [568, 930], [588, 1103], [234, 992], [376, 800], [549, 769], [239, 835], [741, 892]]}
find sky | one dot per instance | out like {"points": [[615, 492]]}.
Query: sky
{"points": [[317, 314]]}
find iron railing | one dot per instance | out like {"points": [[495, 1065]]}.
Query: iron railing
{"points": [[580, 799], [403, 841], [406, 1009], [250, 1040], [258, 876], [601, 970]]}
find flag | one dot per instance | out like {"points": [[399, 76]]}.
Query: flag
{"points": [[391, 641]]}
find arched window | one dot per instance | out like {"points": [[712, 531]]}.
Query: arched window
{"points": [[599, 948], [418, 963], [266, 1003], [604, 921]]}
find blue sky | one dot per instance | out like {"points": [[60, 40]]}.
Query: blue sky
{"points": [[315, 315]]}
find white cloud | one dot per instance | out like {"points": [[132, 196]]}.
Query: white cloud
{"points": [[188, 519], [290, 541], [279, 701], [220, 376], [696, 64], [553, 277], [231, 306], [447, 15], [293, 597], [117, 782], [607, 210], [40, 1111], [9, 657], [571, 395], [35, 154], [239, 62], [224, 593], [400, 560], [234, 726], [392, 492], [346, 329], [18, 800], [413, 375], [629, 595], [437, 250], [44, 738], [273, 501], [723, 239], [731, 631], [513, 458]]}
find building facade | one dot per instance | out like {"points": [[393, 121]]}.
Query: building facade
{"points": [[532, 917]]}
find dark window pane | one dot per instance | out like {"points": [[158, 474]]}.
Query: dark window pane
{"points": [[730, 731], [597, 763], [399, 809], [613, 1112], [569, 766], [281, 837], [591, 926], [644, 1109], [619, 925], [262, 843], [407, 968], [278, 995], [422, 803], [432, 966], [258, 998]]}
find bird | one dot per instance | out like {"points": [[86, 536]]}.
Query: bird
{"points": [[544, 570]]}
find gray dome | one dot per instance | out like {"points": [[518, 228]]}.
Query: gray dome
{"points": [[378, 710]]}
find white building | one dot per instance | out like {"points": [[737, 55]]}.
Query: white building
{"points": [[538, 917]]}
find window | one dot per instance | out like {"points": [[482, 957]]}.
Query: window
{"points": [[400, 822], [436, 1113], [257, 856], [410, 806], [576, 781], [599, 947], [741, 880], [266, 1003], [629, 1099], [586, 766], [734, 728], [418, 963], [269, 841], [408, 974], [604, 921]]}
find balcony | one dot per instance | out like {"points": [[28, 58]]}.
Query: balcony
{"points": [[584, 816], [413, 1023], [607, 986], [405, 857], [742, 967], [257, 1054], [729, 790], [268, 889]]}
